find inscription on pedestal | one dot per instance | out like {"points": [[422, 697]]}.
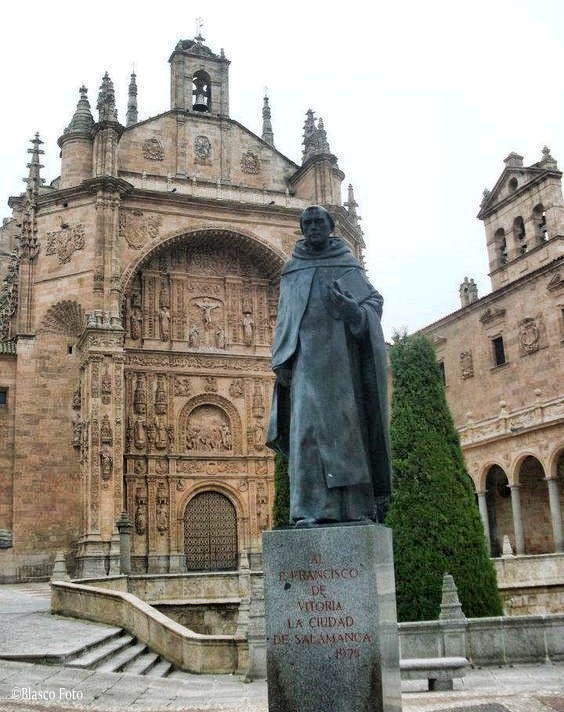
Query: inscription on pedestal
{"points": [[331, 628]]}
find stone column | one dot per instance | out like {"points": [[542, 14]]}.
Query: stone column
{"points": [[483, 507], [517, 520], [124, 528], [555, 513]]}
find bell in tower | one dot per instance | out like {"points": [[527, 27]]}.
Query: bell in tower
{"points": [[201, 92], [199, 78]]}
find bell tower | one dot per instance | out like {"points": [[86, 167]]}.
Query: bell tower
{"points": [[199, 78]]}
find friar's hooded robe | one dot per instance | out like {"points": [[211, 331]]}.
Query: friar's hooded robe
{"points": [[331, 422]]}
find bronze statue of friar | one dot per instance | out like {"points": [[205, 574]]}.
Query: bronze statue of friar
{"points": [[329, 414]]}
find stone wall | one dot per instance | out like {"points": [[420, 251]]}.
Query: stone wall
{"points": [[531, 585]]}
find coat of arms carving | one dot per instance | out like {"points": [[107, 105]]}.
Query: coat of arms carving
{"points": [[65, 242]]}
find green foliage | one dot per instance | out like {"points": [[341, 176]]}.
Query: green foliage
{"points": [[281, 509], [433, 513]]}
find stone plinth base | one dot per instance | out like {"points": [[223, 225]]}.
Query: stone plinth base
{"points": [[331, 626]]}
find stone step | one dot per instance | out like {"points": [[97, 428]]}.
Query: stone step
{"points": [[99, 653], [181, 675], [161, 669], [116, 662], [142, 664]]}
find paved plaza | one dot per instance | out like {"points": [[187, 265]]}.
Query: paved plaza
{"points": [[27, 628]]}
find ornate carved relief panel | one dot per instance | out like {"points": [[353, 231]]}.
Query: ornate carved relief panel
{"points": [[197, 387]]}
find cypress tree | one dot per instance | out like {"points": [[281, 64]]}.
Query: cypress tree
{"points": [[433, 513], [281, 509]]}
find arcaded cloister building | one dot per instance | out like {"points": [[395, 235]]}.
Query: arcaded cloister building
{"points": [[502, 359], [138, 300]]}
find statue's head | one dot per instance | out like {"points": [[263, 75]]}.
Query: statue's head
{"points": [[316, 224]]}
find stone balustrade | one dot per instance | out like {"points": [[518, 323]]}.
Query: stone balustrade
{"points": [[508, 423]]}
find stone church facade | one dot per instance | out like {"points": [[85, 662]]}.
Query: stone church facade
{"points": [[138, 299], [503, 366]]}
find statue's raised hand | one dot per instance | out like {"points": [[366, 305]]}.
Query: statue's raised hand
{"points": [[344, 305]]}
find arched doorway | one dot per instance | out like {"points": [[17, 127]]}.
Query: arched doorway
{"points": [[537, 525], [210, 533], [498, 499]]}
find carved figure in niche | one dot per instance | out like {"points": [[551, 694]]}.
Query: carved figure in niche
{"points": [[220, 338], [170, 436], [248, 328], [162, 508], [139, 467], [140, 512], [258, 403], [76, 430], [208, 430], [139, 435], [150, 432], [106, 464], [210, 384], [106, 430], [237, 389], [258, 436], [261, 467], [160, 396], [135, 318], [194, 337], [76, 399], [226, 439], [270, 327], [179, 485], [140, 396], [164, 296], [207, 308], [182, 386], [262, 507], [161, 437], [161, 467], [106, 386], [164, 323]]}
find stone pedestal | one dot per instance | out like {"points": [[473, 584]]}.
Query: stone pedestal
{"points": [[331, 626]]}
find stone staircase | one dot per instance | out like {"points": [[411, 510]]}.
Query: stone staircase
{"points": [[120, 652]]}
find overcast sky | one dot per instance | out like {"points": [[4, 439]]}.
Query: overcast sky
{"points": [[421, 101]]}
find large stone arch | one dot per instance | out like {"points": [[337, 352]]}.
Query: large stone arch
{"points": [[555, 466], [217, 401], [537, 525], [483, 473], [272, 257], [515, 467], [499, 507]]}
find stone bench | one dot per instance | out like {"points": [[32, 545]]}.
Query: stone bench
{"points": [[440, 672]]}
